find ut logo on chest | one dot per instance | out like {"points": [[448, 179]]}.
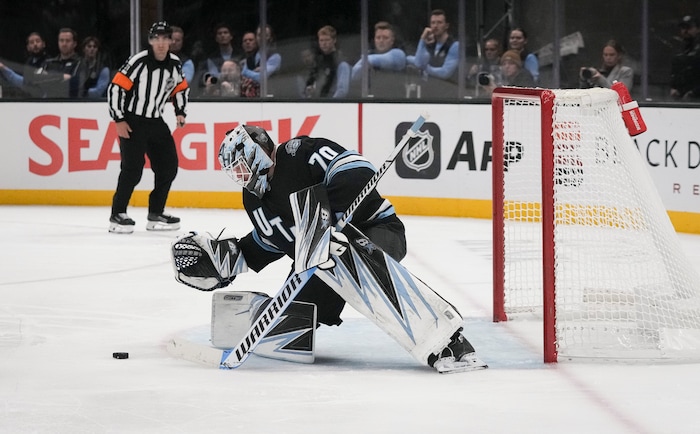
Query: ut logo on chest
{"points": [[267, 226]]}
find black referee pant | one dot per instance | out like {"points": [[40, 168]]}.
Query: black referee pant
{"points": [[152, 137]]}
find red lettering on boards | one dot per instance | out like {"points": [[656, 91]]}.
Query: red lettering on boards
{"points": [[72, 150]]}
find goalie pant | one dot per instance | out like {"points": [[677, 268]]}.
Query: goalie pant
{"points": [[384, 291]]}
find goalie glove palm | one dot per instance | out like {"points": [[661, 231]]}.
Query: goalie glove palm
{"points": [[205, 263]]}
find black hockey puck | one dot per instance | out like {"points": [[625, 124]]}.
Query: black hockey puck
{"points": [[120, 355]]}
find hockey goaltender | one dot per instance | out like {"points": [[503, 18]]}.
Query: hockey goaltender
{"points": [[360, 266]]}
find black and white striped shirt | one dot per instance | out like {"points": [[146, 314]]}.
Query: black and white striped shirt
{"points": [[143, 85]]}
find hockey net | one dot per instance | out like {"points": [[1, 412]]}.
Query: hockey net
{"points": [[581, 237]]}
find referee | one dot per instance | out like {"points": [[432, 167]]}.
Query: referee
{"points": [[136, 97]]}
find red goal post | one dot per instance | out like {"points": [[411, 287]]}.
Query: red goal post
{"points": [[581, 239]]}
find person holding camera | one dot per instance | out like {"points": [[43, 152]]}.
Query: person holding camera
{"points": [[512, 74], [227, 84], [489, 66], [612, 69]]}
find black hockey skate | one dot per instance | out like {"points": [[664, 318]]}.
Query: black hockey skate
{"points": [[121, 224], [162, 222], [457, 356]]}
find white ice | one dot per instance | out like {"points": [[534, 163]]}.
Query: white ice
{"points": [[71, 294]]}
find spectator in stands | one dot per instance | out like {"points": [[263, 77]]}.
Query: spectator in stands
{"points": [[176, 43], [611, 70], [512, 73], [209, 65], [386, 61], [228, 84], [329, 76], [308, 62], [489, 64], [224, 51], [36, 57], [385, 55], [517, 41], [64, 69], [94, 71], [249, 44], [437, 56], [251, 71], [685, 69]]}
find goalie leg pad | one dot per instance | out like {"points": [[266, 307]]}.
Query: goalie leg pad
{"points": [[384, 291], [292, 339]]}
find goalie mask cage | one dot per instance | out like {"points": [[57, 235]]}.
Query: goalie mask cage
{"points": [[581, 238]]}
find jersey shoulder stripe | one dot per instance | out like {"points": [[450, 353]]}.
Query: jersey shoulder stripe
{"points": [[349, 160]]}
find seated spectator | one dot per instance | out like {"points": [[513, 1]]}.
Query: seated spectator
{"points": [[385, 60], [63, 70], [437, 57], [517, 41], [228, 84], [512, 73], [489, 64], [308, 62], [95, 75], [36, 57], [685, 68], [176, 41], [329, 76], [251, 72], [224, 51], [611, 70], [385, 55]]}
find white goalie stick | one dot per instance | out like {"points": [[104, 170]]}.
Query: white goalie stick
{"points": [[271, 315]]}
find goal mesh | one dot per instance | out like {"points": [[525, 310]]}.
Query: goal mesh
{"points": [[580, 233]]}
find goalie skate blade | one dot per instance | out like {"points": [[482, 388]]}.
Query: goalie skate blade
{"points": [[448, 365], [121, 229], [160, 226]]}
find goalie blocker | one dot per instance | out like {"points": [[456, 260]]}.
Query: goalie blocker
{"points": [[292, 339]]}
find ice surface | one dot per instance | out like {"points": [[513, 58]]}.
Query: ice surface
{"points": [[71, 294]]}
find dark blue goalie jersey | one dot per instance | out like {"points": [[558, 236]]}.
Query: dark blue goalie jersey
{"points": [[300, 163]]}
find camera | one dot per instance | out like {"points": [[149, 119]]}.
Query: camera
{"points": [[587, 73], [206, 78], [484, 78]]}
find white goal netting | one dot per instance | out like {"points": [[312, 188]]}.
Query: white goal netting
{"points": [[623, 288]]}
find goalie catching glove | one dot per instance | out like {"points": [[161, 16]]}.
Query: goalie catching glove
{"points": [[206, 263]]}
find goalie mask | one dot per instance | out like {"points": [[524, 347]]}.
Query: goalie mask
{"points": [[244, 156]]}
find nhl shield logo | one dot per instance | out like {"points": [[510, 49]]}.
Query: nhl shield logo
{"points": [[419, 153], [421, 156]]}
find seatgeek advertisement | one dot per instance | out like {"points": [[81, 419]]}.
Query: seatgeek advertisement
{"points": [[72, 147]]}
